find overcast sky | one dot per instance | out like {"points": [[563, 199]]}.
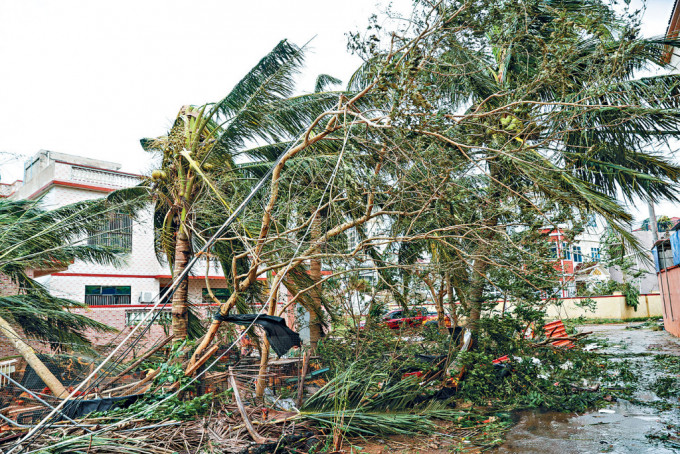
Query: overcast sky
{"points": [[93, 77]]}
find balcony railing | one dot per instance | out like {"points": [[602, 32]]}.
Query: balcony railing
{"points": [[106, 178], [107, 300], [7, 368]]}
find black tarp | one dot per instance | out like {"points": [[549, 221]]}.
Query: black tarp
{"points": [[68, 369], [82, 407], [280, 337]]}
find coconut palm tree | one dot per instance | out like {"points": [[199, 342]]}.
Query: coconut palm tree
{"points": [[544, 97], [208, 155], [34, 240]]}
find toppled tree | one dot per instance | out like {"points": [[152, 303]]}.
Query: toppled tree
{"points": [[540, 103]]}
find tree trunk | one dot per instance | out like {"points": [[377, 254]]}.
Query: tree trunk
{"points": [[438, 298], [441, 316], [32, 359], [481, 265], [264, 347], [315, 323], [477, 284], [180, 318], [452, 304]]}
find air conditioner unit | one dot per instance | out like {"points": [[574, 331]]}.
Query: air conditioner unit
{"points": [[145, 297]]}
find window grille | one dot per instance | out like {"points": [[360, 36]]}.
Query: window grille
{"points": [[115, 231], [135, 317], [99, 295]]}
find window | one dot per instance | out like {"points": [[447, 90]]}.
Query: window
{"points": [[566, 252], [98, 295], [133, 318], [595, 254], [665, 255], [221, 294], [30, 170], [592, 221], [553, 251], [578, 257], [115, 231]]}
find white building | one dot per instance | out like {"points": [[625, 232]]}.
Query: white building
{"points": [[118, 296]]}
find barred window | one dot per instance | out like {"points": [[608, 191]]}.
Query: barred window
{"points": [[115, 231], [101, 295], [135, 317], [221, 294]]}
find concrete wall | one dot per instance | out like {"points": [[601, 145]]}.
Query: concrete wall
{"points": [[606, 307], [647, 283]]}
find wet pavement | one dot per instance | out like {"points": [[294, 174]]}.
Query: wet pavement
{"points": [[621, 427]]}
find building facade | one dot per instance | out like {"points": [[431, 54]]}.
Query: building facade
{"points": [[118, 296]]}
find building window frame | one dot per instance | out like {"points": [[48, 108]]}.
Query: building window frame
{"points": [[221, 293], [566, 251], [578, 255], [108, 295], [595, 254], [114, 231], [134, 317], [665, 255]]}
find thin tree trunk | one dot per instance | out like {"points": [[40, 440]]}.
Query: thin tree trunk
{"points": [[441, 316], [264, 345], [481, 265], [32, 359], [180, 319], [477, 284], [438, 298], [452, 304], [315, 323]]}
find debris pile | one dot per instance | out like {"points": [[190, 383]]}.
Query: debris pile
{"points": [[369, 383]]}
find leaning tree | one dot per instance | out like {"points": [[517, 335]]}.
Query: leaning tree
{"points": [[212, 155]]}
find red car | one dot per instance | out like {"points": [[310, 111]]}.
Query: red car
{"points": [[399, 318]]}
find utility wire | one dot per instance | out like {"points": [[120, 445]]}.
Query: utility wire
{"points": [[169, 291], [191, 263]]}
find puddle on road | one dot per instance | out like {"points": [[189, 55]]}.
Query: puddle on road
{"points": [[624, 430]]}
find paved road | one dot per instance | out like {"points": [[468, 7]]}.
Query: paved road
{"points": [[624, 430]]}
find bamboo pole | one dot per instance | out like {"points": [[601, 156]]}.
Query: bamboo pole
{"points": [[32, 359]]}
